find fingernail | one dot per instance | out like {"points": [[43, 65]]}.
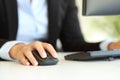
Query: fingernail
{"points": [[55, 55], [27, 63], [35, 63], [44, 55]]}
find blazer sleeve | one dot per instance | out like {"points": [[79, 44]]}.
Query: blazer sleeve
{"points": [[2, 41], [71, 35]]}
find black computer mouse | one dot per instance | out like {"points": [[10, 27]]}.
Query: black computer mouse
{"points": [[49, 60]]}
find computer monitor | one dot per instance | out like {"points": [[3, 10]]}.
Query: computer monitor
{"points": [[100, 7]]}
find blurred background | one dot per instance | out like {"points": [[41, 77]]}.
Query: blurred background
{"points": [[98, 28]]}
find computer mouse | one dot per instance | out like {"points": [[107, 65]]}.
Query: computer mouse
{"points": [[49, 60]]}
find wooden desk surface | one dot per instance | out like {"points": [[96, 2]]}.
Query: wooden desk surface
{"points": [[64, 70]]}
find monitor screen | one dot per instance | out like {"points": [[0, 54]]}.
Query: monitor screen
{"points": [[101, 7]]}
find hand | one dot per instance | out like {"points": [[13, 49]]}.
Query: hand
{"points": [[114, 45], [23, 52]]}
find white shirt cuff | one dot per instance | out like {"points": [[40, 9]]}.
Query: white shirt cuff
{"points": [[4, 50], [104, 44]]}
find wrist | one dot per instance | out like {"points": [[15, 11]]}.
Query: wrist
{"points": [[104, 45], [110, 46]]}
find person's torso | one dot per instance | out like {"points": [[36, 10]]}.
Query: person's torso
{"points": [[32, 20], [9, 19]]}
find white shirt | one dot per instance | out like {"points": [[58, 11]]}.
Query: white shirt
{"points": [[32, 24], [33, 20]]}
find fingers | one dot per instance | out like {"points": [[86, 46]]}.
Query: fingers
{"points": [[22, 59], [39, 47], [24, 53], [26, 58], [31, 58], [43, 47], [50, 49]]}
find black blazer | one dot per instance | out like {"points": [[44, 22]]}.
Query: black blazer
{"points": [[63, 24]]}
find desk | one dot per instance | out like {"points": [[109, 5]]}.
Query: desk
{"points": [[64, 70]]}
